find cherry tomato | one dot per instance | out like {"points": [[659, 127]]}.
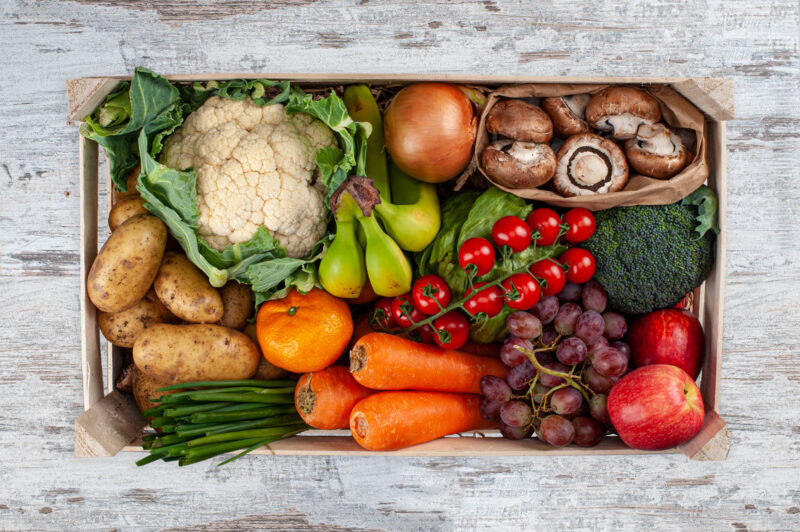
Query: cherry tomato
{"points": [[551, 273], [527, 288], [513, 232], [581, 224], [489, 301], [580, 263], [384, 315], [477, 251], [426, 334], [457, 328], [547, 222], [401, 318], [427, 290]]}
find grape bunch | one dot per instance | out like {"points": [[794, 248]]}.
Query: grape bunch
{"points": [[564, 355]]}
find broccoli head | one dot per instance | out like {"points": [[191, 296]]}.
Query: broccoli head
{"points": [[650, 257]]}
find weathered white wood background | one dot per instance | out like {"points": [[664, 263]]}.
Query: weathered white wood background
{"points": [[44, 43]]}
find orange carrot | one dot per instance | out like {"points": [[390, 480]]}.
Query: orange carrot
{"points": [[382, 361], [324, 398], [388, 421]]}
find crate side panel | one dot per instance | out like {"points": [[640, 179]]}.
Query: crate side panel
{"points": [[90, 339], [713, 308]]}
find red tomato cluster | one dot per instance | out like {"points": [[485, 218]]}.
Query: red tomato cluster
{"points": [[430, 294]]}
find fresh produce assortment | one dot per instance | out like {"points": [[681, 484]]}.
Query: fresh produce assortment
{"points": [[598, 138], [261, 231]]}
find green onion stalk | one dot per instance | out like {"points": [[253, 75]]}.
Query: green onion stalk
{"points": [[201, 420]]}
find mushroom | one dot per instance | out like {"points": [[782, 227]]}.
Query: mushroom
{"points": [[621, 110], [657, 151], [590, 164], [568, 113], [515, 164], [519, 120]]}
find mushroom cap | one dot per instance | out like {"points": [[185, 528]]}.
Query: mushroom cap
{"points": [[621, 110], [590, 164], [515, 164], [656, 151], [568, 113], [519, 120]]}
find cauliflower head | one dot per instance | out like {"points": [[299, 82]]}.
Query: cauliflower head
{"points": [[255, 166]]}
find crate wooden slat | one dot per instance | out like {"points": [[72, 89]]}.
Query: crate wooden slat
{"points": [[122, 423]]}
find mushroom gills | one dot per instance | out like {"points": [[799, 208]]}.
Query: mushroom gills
{"points": [[658, 140], [577, 103], [622, 126], [527, 152], [589, 168]]}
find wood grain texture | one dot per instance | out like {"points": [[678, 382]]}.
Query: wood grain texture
{"points": [[42, 486]]}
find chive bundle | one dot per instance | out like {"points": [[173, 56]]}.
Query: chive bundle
{"points": [[209, 418]]}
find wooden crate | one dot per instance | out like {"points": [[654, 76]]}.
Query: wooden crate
{"points": [[111, 421]]}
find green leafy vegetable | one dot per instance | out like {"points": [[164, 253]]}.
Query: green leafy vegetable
{"points": [[149, 103], [335, 164], [707, 216], [131, 126], [488, 208]]}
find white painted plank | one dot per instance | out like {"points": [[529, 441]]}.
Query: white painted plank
{"points": [[44, 43]]}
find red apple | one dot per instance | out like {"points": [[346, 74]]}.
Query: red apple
{"points": [[668, 336], [656, 407]]}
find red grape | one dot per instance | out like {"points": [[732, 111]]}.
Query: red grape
{"points": [[597, 382], [570, 293], [510, 355], [552, 380], [538, 392], [571, 351], [495, 389], [615, 326], [518, 377], [513, 433], [610, 362], [516, 413], [524, 325], [598, 408], [491, 409], [549, 334], [624, 348], [546, 309], [588, 432], [589, 326], [566, 401], [566, 318], [594, 297], [596, 347], [557, 430]]}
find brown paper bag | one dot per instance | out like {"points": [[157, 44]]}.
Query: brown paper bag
{"points": [[640, 190]]}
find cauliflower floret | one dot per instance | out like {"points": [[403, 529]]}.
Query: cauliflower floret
{"points": [[254, 167]]}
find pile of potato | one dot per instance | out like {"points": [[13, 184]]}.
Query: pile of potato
{"points": [[154, 300]]}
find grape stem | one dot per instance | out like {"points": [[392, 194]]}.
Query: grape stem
{"points": [[569, 378]]}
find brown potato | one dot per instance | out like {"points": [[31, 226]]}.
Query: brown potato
{"points": [[237, 304], [144, 389], [266, 370], [185, 290], [131, 181], [127, 264], [186, 353], [125, 208], [122, 328]]}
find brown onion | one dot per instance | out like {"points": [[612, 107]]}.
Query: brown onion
{"points": [[430, 130]]}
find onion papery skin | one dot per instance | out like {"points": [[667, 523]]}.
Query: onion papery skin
{"points": [[430, 131]]}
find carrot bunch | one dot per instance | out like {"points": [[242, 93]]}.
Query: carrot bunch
{"points": [[397, 393]]}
